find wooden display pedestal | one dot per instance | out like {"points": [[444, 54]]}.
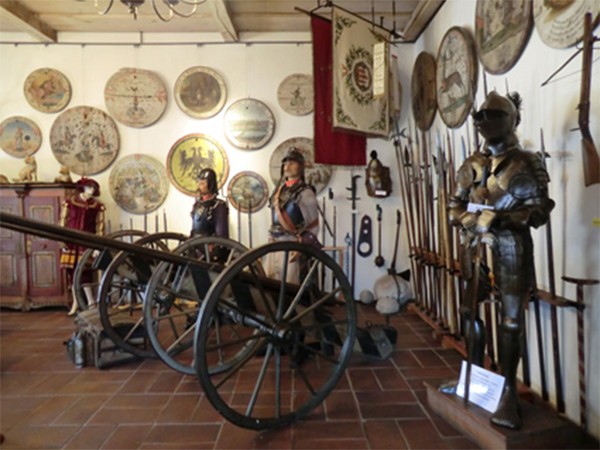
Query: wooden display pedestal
{"points": [[541, 427]]}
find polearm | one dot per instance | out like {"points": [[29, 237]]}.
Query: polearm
{"points": [[418, 211], [452, 231], [560, 402], [591, 161], [249, 222], [430, 224], [353, 199]]}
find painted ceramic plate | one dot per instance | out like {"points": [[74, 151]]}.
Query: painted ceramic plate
{"points": [[502, 30], [296, 95], [316, 174], [423, 92], [189, 155], [560, 22], [456, 75], [200, 92], [20, 136], [247, 192], [85, 139], [138, 184], [47, 90], [135, 97], [249, 124]]}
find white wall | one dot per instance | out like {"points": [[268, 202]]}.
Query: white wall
{"points": [[256, 70]]}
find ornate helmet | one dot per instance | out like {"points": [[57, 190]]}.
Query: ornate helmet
{"points": [[498, 116], [83, 182], [294, 154], [210, 176]]}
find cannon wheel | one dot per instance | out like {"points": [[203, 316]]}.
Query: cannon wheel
{"points": [[172, 302], [86, 263], [293, 342], [121, 294]]}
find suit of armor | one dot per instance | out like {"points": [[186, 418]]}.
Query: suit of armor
{"points": [[297, 204], [501, 193], [210, 218]]}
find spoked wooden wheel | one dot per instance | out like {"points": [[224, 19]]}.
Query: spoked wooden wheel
{"points": [[88, 271], [121, 295], [173, 299], [289, 341]]}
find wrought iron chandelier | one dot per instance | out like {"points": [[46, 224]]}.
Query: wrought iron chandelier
{"points": [[170, 8]]}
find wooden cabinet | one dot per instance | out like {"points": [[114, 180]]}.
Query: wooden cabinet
{"points": [[30, 273]]}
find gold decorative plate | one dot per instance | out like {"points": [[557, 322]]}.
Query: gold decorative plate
{"points": [[316, 174], [135, 97], [247, 192], [20, 136], [296, 94], [138, 184], [47, 90], [502, 30], [560, 22], [189, 155], [249, 124], [423, 92], [200, 92], [456, 75], [85, 139]]}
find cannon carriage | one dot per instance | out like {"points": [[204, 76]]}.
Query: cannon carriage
{"points": [[210, 310]]}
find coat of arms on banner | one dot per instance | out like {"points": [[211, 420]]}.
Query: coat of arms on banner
{"points": [[354, 107]]}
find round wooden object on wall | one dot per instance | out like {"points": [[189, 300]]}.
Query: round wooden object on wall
{"points": [[200, 92], [560, 22], [502, 30], [20, 136], [456, 75], [296, 94], [189, 155], [423, 91], [135, 97], [249, 124], [317, 175], [138, 184], [247, 192], [85, 139], [47, 90]]}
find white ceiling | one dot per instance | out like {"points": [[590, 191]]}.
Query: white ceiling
{"points": [[46, 19]]}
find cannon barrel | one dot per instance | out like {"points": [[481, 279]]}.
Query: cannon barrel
{"points": [[89, 240]]}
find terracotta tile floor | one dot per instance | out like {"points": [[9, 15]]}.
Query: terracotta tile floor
{"points": [[47, 403]]}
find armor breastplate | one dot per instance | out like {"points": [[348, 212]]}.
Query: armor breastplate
{"points": [[289, 204], [203, 223]]}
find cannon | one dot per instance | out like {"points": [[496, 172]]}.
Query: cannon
{"points": [[283, 345]]}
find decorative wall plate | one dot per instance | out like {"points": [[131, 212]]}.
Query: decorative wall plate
{"points": [[189, 155], [502, 30], [560, 22], [47, 90], [456, 75], [249, 124], [85, 139], [296, 94], [135, 97], [423, 91], [247, 191], [138, 184], [20, 136], [316, 174], [200, 92]]}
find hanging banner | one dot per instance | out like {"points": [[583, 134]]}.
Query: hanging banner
{"points": [[331, 146], [354, 106]]}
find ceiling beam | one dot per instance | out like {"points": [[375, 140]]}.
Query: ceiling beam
{"points": [[223, 19], [423, 14], [28, 21]]}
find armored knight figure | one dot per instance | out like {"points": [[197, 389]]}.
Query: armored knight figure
{"points": [[502, 191], [209, 214]]}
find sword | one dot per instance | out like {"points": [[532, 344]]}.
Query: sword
{"points": [[353, 199]]}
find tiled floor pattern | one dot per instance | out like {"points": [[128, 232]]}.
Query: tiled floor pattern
{"points": [[47, 403]]}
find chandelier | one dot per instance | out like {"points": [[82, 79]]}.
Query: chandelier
{"points": [[170, 8]]}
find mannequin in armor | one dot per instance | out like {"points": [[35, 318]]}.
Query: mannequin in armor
{"points": [[210, 214], [294, 207], [502, 191]]}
